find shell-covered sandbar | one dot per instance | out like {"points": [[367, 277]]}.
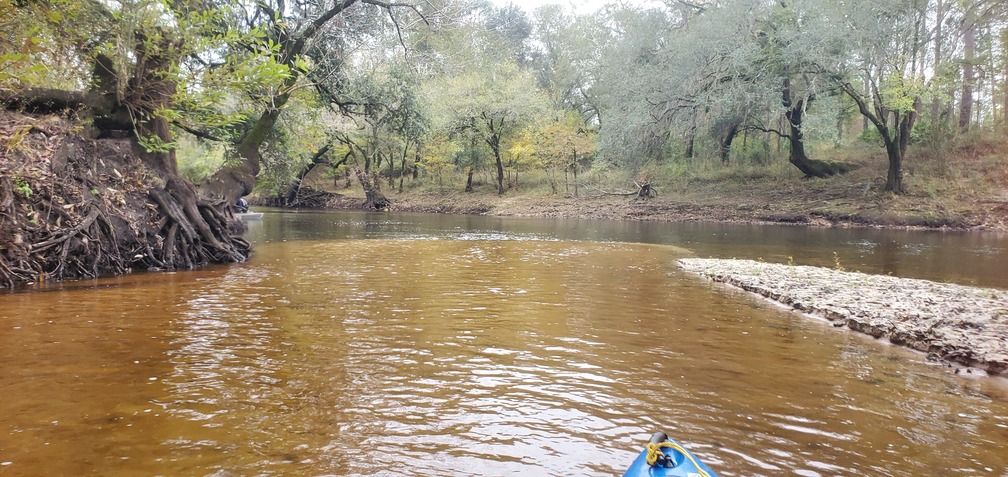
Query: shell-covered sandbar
{"points": [[956, 323]]}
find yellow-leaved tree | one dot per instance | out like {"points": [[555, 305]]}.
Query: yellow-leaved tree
{"points": [[563, 145]]}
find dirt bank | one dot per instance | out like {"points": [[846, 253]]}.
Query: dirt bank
{"points": [[963, 186], [74, 206], [954, 323], [822, 205]]}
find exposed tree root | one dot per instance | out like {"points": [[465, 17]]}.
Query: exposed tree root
{"points": [[374, 199], [74, 208]]}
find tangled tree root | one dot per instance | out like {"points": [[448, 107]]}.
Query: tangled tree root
{"points": [[73, 208]]}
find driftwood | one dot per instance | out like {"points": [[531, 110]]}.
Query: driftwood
{"points": [[644, 191]]}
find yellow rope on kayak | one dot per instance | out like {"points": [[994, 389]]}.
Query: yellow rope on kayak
{"points": [[654, 450]]}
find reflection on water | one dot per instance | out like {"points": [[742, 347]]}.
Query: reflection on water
{"points": [[464, 357], [969, 258]]}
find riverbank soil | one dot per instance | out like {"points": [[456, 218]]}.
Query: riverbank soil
{"points": [[953, 323], [75, 206], [962, 187]]}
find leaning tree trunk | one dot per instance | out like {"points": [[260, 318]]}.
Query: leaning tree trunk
{"points": [[798, 157], [237, 177], [374, 199], [290, 198], [729, 138]]}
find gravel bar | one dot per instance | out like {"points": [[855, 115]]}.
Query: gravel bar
{"points": [[955, 323]]}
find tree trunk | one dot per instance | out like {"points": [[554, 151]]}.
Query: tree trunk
{"points": [[966, 95], [938, 60], [726, 143], [895, 150], [237, 177], [469, 184], [416, 164], [402, 169], [894, 177], [905, 124], [574, 168], [182, 231], [691, 137], [797, 155], [895, 145], [374, 199], [1003, 43], [210, 236], [566, 181], [494, 141], [290, 198], [391, 171]]}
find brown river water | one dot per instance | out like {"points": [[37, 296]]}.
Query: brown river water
{"points": [[357, 344]]}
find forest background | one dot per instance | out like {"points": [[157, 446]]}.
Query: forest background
{"points": [[845, 111]]}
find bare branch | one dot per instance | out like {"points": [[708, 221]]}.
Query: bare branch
{"points": [[391, 5], [196, 132], [753, 127]]}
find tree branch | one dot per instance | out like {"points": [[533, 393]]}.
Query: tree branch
{"points": [[319, 22], [391, 5], [196, 132], [754, 127]]}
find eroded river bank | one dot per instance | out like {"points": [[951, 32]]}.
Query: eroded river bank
{"points": [[961, 324]]}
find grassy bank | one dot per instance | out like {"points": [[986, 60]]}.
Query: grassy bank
{"points": [[963, 185]]}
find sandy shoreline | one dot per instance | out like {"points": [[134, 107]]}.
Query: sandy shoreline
{"points": [[697, 207], [955, 323]]}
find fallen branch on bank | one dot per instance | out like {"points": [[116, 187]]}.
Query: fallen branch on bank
{"points": [[644, 191]]}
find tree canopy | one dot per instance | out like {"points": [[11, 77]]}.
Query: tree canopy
{"points": [[274, 82]]}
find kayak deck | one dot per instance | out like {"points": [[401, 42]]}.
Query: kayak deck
{"points": [[673, 460]]}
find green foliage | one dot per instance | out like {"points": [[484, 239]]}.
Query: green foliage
{"points": [[154, 144], [628, 88], [22, 188], [438, 156], [523, 152], [198, 160], [754, 152], [870, 136], [565, 144], [40, 43], [484, 109], [899, 93]]}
